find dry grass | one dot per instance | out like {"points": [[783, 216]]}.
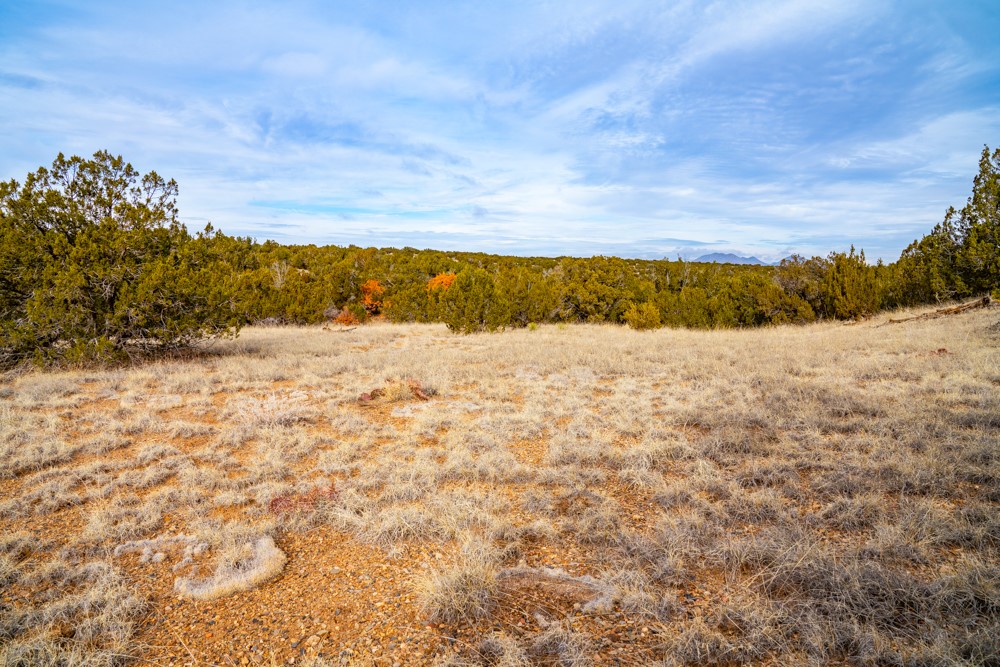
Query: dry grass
{"points": [[464, 592], [815, 495], [241, 567]]}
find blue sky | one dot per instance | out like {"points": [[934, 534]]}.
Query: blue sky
{"points": [[639, 129]]}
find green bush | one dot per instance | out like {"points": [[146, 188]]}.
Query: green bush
{"points": [[642, 316], [473, 303], [850, 289], [94, 266]]}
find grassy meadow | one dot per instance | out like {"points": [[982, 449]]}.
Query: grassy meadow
{"points": [[562, 495]]}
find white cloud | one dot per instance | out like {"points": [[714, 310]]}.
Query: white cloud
{"points": [[945, 145]]}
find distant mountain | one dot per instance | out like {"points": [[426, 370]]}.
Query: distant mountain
{"points": [[729, 258]]}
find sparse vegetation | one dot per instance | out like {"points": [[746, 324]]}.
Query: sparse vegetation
{"points": [[563, 496]]}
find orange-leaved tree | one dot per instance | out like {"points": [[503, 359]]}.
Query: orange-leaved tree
{"points": [[442, 282], [371, 296]]}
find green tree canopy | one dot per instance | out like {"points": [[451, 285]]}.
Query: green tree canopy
{"points": [[472, 303], [94, 265], [961, 255], [850, 289], [979, 227]]}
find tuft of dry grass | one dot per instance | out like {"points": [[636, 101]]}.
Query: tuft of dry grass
{"points": [[240, 567], [465, 592]]}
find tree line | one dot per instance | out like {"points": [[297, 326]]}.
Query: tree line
{"points": [[95, 265]]}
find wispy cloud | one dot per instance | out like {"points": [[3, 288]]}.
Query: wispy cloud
{"points": [[615, 128]]}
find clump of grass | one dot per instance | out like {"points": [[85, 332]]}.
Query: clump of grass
{"points": [[123, 518], [9, 570], [852, 514], [687, 535], [501, 650], [395, 391], [974, 590], [599, 524], [394, 524], [560, 645], [699, 643], [466, 592], [730, 443], [41, 388], [274, 411], [28, 453], [758, 507], [757, 628], [638, 595], [557, 645], [855, 606], [241, 567]]}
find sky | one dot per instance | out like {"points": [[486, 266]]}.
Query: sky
{"points": [[592, 127]]}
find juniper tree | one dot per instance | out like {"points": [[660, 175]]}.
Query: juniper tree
{"points": [[850, 290], [472, 303], [978, 225], [94, 265]]}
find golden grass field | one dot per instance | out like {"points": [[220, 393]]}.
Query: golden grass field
{"points": [[569, 495]]}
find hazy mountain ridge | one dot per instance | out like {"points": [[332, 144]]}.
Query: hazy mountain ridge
{"points": [[730, 258]]}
